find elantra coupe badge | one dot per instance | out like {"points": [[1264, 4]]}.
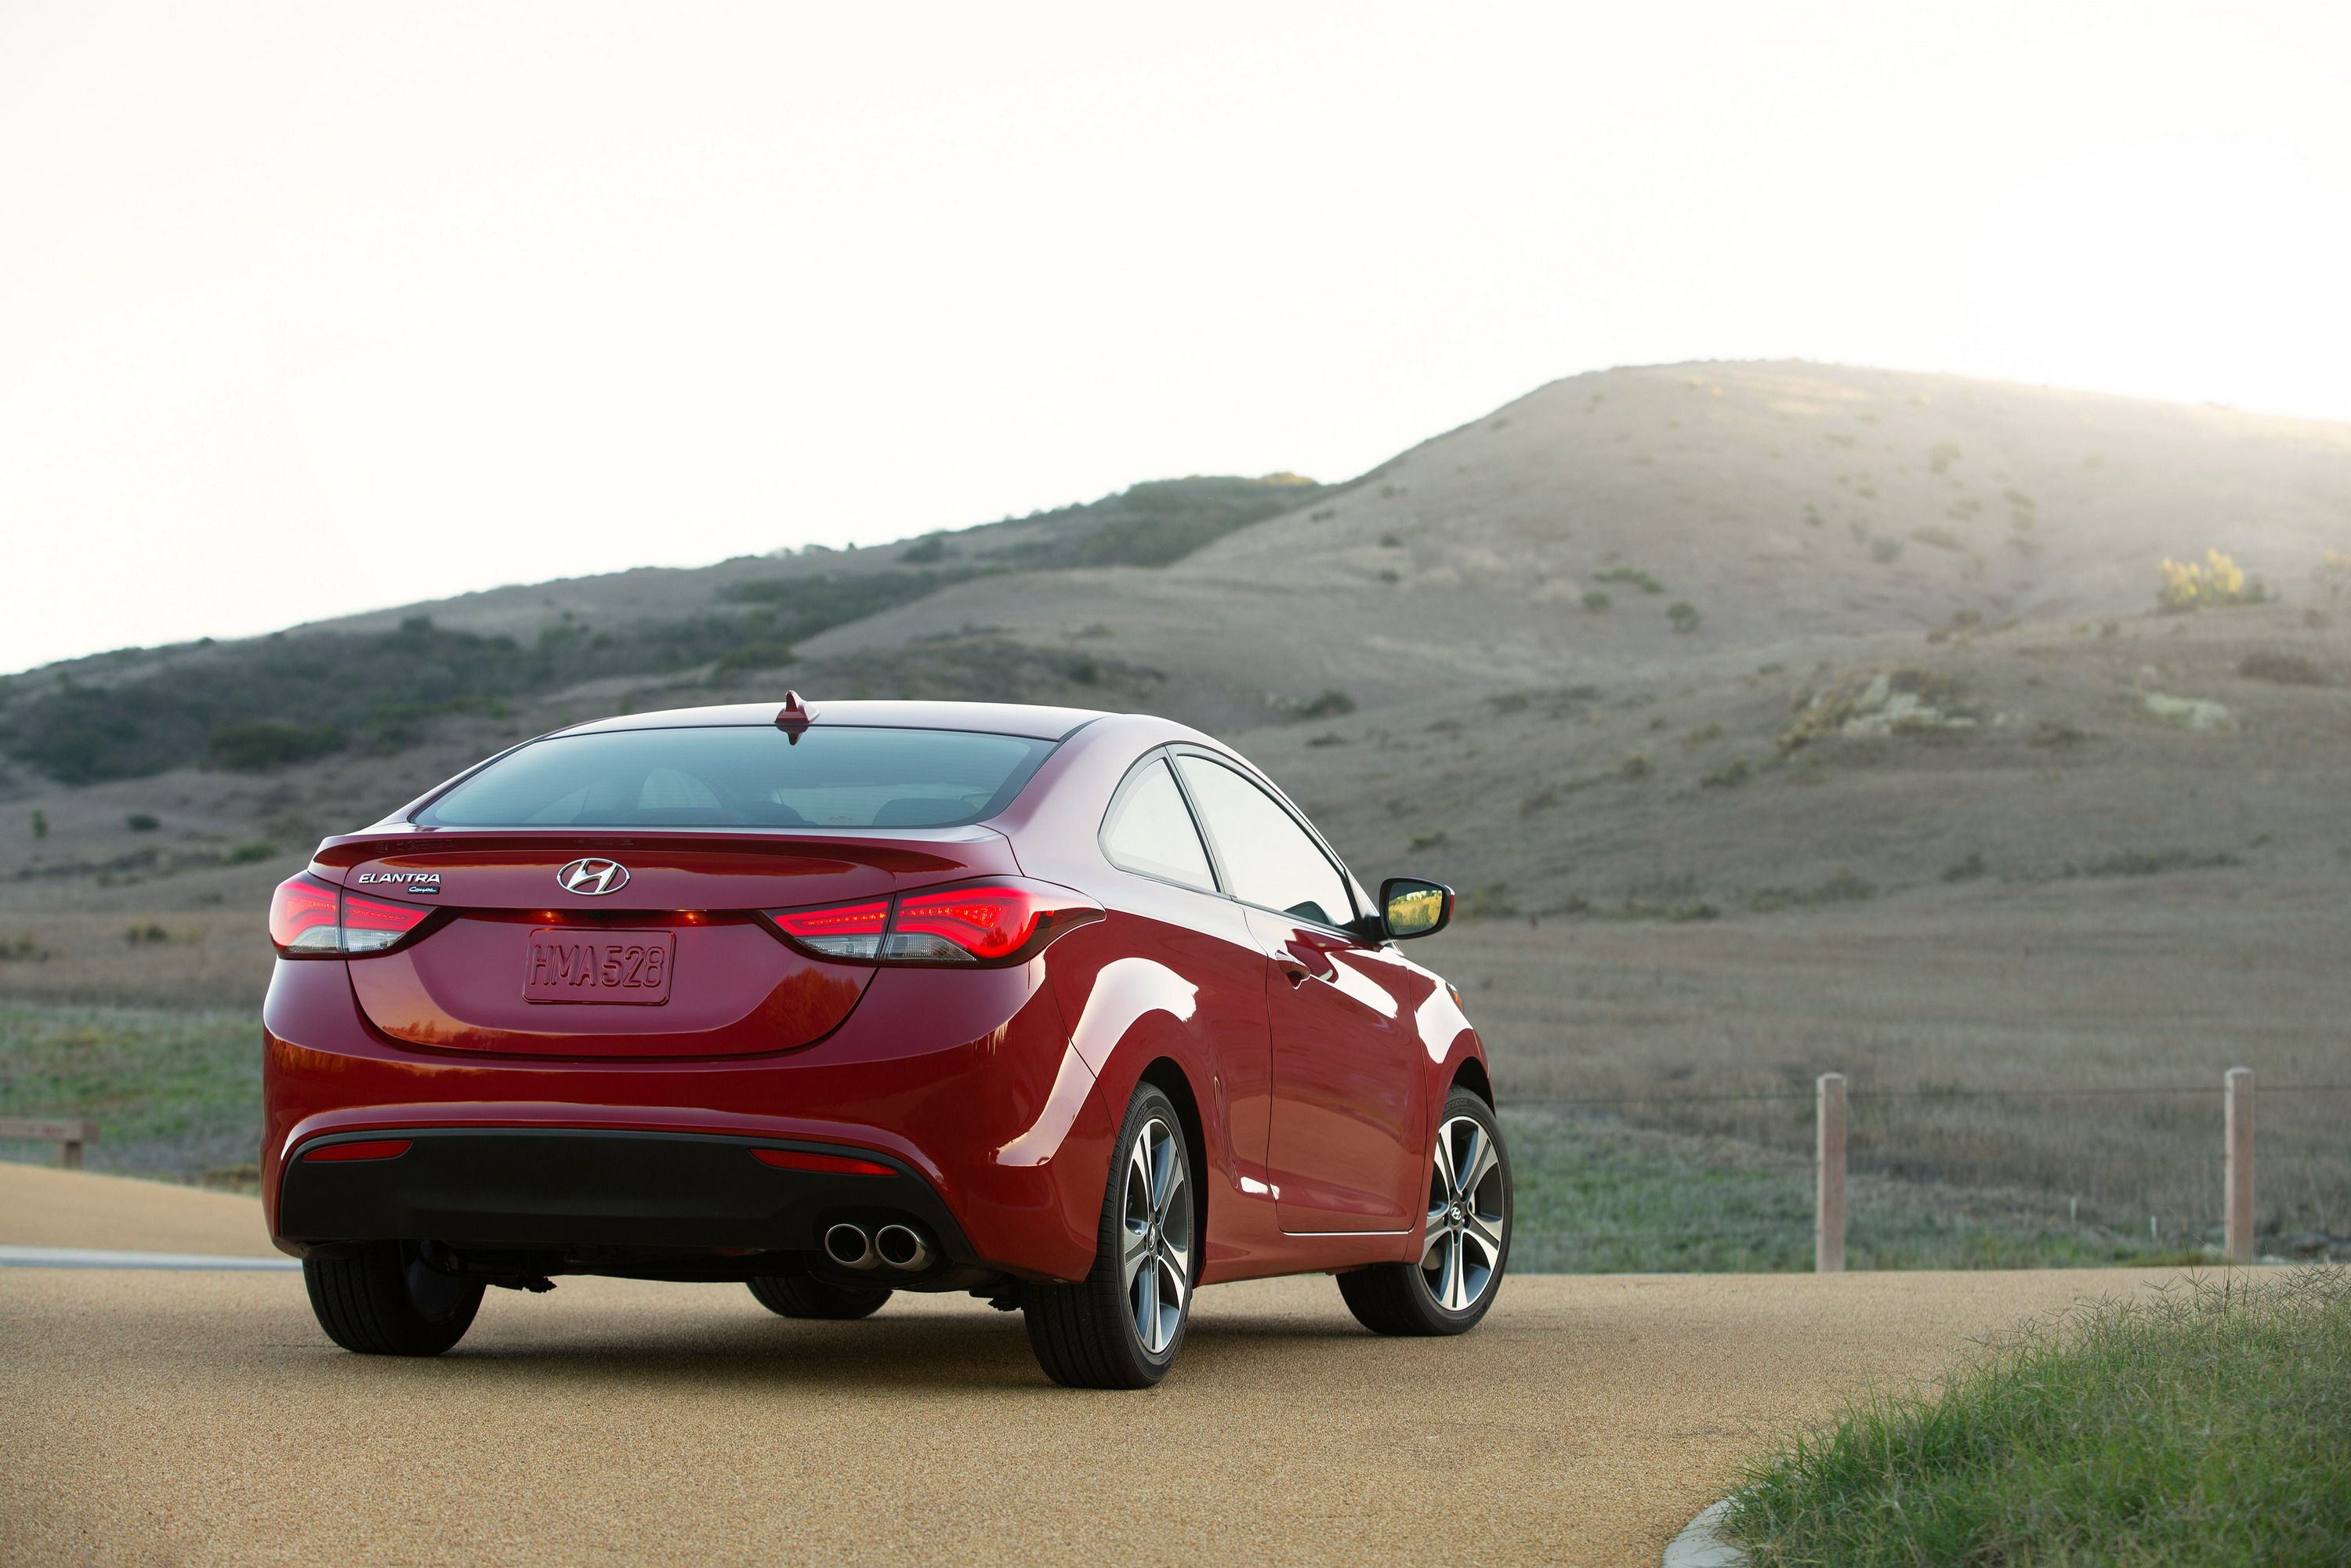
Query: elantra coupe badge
{"points": [[592, 876]]}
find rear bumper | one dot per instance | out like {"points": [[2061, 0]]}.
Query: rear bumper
{"points": [[588, 1196], [969, 1091]]}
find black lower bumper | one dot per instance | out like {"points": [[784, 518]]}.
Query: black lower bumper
{"points": [[599, 1201]]}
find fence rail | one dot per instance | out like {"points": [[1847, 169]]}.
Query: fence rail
{"points": [[1829, 1161]]}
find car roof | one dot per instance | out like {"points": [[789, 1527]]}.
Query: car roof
{"points": [[1029, 720]]}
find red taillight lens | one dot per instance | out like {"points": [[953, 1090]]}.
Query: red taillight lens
{"points": [[992, 923], [367, 1149], [839, 931], [302, 916], [370, 924], [980, 923], [308, 918]]}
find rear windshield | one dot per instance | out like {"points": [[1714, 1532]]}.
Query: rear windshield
{"points": [[745, 776]]}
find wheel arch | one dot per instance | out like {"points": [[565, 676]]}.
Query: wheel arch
{"points": [[1471, 1074], [1167, 1075]]}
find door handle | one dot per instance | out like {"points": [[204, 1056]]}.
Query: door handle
{"points": [[1297, 966]]}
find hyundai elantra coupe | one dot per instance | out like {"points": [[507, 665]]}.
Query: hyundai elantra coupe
{"points": [[1072, 1011]]}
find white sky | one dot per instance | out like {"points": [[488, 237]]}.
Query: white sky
{"points": [[313, 308]]}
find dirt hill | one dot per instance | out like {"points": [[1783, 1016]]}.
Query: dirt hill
{"points": [[1709, 640]]}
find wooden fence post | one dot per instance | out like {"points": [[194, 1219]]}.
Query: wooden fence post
{"points": [[1828, 1176], [2237, 1227]]}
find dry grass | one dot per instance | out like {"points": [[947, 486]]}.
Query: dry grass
{"points": [[2063, 1045]]}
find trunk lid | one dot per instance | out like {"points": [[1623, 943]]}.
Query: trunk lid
{"points": [[672, 960]]}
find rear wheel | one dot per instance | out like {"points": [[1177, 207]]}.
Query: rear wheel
{"points": [[1121, 1326], [806, 1296], [1466, 1244], [383, 1300]]}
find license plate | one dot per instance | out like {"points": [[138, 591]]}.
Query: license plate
{"points": [[573, 964]]}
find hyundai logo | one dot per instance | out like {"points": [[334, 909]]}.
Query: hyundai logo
{"points": [[593, 875]]}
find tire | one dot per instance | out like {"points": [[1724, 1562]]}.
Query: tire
{"points": [[1092, 1334], [806, 1296], [1466, 1238], [383, 1301]]}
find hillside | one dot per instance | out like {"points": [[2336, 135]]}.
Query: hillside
{"points": [[1735, 640]]}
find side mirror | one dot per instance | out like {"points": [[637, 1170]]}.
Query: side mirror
{"points": [[1411, 907]]}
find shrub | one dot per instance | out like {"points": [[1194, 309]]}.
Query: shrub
{"points": [[1884, 551], [1636, 765], [141, 935], [1390, 541], [1966, 869], [2217, 582], [1729, 775], [245, 854], [142, 823], [1327, 704], [40, 824], [1939, 537], [930, 547], [1631, 576], [1428, 840], [1683, 614], [2281, 669], [1942, 455], [1597, 599]]}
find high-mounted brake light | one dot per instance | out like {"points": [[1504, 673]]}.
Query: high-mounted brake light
{"points": [[1006, 921], [308, 919]]}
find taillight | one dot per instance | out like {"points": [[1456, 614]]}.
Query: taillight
{"points": [[309, 919], [990, 923], [837, 931]]}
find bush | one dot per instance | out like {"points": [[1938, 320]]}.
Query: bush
{"points": [[1729, 774], [1884, 551], [1683, 614], [265, 744], [929, 548], [1597, 599], [142, 823], [1632, 576], [1329, 703], [2281, 669], [2218, 583], [245, 854]]}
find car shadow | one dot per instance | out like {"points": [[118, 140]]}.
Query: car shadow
{"points": [[940, 1353]]}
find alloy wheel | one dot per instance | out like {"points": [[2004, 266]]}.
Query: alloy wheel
{"points": [[1155, 1209], [1467, 1211]]}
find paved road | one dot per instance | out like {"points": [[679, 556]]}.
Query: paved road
{"points": [[195, 1417]]}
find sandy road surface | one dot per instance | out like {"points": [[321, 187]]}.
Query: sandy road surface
{"points": [[202, 1417]]}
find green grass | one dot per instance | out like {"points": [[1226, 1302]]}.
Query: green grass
{"points": [[2209, 1426], [1600, 1195], [176, 1093]]}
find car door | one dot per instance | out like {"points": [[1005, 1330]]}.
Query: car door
{"points": [[1344, 1145]]}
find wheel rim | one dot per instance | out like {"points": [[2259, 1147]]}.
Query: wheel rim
{"points": [[1155, 1209], [1468, 1213]]}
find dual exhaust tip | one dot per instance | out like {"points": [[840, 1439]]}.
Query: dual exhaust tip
{"points": [[899, 1247]]}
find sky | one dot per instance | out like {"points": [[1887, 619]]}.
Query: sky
{"points": [[313, 308]]}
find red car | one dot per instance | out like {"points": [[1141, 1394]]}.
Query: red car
{"points": [[1073, 1011]]}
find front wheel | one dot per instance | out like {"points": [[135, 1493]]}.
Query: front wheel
{"points": [[1121, 1326], [384, 1300], [1467, 1240]]}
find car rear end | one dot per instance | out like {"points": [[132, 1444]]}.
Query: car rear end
{"points": [[681, 997]]}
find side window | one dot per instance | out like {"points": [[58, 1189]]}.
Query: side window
{"points": [[1265, 854], [1149, 829]]}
